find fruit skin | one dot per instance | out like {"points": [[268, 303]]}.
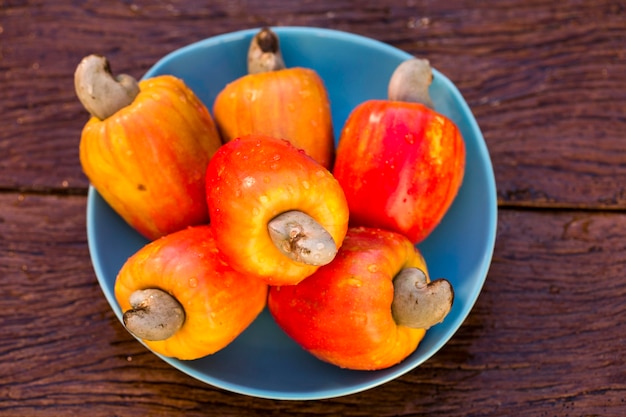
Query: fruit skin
{"points": [[342, 313], [219, 302], [148, 160], [251, 180], [401, 166], [289, 104]]}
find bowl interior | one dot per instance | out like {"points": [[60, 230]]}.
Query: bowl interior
{"points": [[263, 361]]}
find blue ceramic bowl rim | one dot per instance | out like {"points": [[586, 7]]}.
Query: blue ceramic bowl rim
{"points": [[409, 364]]}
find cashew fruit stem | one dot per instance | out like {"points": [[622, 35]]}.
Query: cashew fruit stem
{"points": [[264, 53], [301, 238], [420, 304], [155, 315], [101, 93], [410, 82]]}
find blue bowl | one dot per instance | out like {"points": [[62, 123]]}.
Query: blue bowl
{"points": [[263, 361]]}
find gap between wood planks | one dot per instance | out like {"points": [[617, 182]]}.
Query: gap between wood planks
{"points": [[556, 206]]}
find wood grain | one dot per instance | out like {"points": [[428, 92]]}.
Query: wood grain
{"points": [[545, 335], [547, 83], [545, 80]]}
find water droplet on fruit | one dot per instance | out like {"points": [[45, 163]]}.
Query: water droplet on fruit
{"points": [[274, 165], [373, 268], [306, 185], [248, 182], [375, 118], [409, 138], [355, 282], [256, 211], [193, 282], [264, 199], [320, 173]]}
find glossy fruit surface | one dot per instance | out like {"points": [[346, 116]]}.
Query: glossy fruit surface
{"points": [[342, 313], [401, 166], [148, 159], [289, 104], [469, 244], [253, 179], [219, 303]]}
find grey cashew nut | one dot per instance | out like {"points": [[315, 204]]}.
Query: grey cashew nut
{"points": [[420, 304], [410, 82], [154, 315], [101, 93], [302, 239], [264, 53]]}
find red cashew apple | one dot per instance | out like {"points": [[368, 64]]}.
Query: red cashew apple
{"points": [[369, 308], [400, 162], [146, 147], [278, 214], [272, 100], [182, 299]]}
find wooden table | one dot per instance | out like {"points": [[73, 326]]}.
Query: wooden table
{"points": [[547, 83]]}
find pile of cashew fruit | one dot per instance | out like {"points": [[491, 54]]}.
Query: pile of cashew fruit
{"points": [[254, 204]]}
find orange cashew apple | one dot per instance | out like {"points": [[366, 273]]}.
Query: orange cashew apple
{"points": [[146, 147], [369, 308], [400, 162], [272, 100], [182, 299], [278, 214]]}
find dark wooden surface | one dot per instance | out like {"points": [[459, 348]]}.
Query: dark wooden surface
{"points": [[547, 83]]}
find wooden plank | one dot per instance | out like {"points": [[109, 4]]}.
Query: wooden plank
{"points": [[545, 80], [545, 337]]}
